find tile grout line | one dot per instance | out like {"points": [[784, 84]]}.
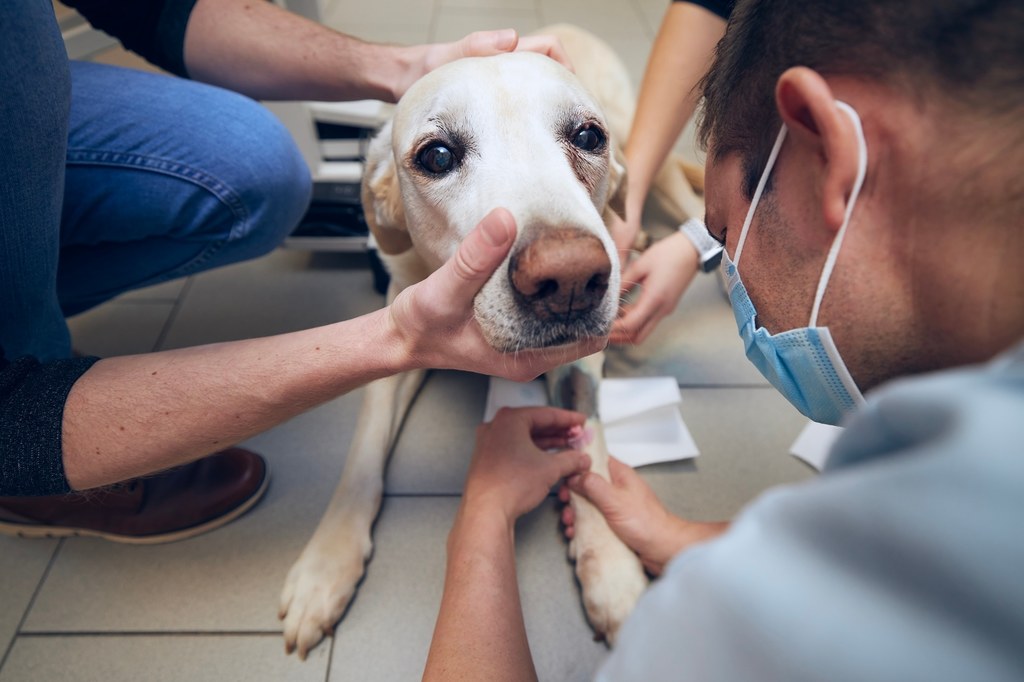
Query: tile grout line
{"points": [[31, 603], [432, 27], [172, 316], [330, 659], [639, 13]]}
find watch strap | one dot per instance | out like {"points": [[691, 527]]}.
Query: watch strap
{"points": [[708, 250]]}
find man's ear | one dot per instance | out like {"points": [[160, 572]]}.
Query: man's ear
{"points": [[809, 110], [616, 197], [381, 196]]}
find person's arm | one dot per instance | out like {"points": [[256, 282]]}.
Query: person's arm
{"points": [[32, 397], [129, 416], [637, 516], [680, 56], [263, 51], [152, 29], [661, 273], [480, 634]]}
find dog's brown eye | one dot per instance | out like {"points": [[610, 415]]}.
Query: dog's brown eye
{"points": [[436, 159], [588, 139]]}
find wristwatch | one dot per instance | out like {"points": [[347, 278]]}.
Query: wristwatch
{"points": [[708, 250]]}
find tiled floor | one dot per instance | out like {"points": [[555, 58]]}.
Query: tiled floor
{"points": [[204, 609]]}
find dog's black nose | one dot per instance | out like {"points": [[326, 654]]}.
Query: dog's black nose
{"points": [[563, 273]]}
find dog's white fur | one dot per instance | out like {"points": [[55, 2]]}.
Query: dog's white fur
{"points": [[512, 115]]}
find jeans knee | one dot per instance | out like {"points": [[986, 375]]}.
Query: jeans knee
{"points": [[276, 185]]}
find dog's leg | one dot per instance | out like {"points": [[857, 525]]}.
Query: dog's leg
{"points": [[322, 582], [610, 574]]}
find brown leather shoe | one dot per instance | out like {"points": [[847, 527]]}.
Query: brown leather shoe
{"points": [[173, 505]]}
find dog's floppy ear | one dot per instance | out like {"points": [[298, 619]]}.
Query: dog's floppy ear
{"points": [[616, 182], [382, 200]]}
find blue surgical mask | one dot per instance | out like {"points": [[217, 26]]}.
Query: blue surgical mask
{"points": [[804, 363]]}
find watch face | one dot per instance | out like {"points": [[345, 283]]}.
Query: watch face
{"points": [[708, 249], [712, 261]]}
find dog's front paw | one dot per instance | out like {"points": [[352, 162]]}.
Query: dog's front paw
{"points": [[317, 591], [612, 580]]}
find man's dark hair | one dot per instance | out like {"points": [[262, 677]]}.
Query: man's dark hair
{"points": [[969, 51]]}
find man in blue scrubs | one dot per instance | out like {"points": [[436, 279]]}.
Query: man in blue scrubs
{"points": [[864, 176]]}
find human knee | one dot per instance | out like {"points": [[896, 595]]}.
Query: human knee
{"points": [[274, 182]]}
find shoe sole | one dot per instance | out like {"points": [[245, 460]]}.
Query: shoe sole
{"points": [[34, 531]]}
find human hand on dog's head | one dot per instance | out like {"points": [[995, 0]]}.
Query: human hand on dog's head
{"points": [[435, 326], [422, 59], [512, 471]]}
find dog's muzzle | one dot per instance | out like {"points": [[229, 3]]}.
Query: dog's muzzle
{"points": [[559, 282]]}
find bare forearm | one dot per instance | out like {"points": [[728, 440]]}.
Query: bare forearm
{"points": [[679, 59], [261, 50], [129, 416], [480, 633]]}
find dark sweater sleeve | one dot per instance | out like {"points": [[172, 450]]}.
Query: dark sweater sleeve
{"points": [[32, 397], [154, 29], [722, 8]]}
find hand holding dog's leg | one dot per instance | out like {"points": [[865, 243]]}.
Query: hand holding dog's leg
{"points": [[635, 514], [610, 574]]}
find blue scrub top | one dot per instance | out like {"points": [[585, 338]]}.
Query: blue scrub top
{"points": [[903, 561]]}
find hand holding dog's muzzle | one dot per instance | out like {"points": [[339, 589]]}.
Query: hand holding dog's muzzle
{"points": [[436, 326]]}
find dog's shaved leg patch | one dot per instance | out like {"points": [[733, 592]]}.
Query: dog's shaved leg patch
{"points": [[575, 389]]}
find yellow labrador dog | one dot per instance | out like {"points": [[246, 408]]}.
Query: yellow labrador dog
{"points": [[521, 132]]}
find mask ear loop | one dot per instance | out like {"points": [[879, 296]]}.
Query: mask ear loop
{"points": [[757, 194], [833, 253]]}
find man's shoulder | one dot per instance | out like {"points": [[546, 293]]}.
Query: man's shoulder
{"points": [[841, 577], [958, 411]]}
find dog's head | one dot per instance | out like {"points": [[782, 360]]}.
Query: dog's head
{"points": [[516, 131]]}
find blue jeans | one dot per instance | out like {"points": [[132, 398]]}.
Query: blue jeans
{"points": [[113, 179]]}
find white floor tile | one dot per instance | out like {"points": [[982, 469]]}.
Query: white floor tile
{"points": [[607, 20], [436, 442], [490, 4], [22, 563], [386, 634], [120, 328], [284, 291], [744, 435], [455, 22], [340, 13], [652, 12], [241, 658], [398, 34], [166, 292], [633, 52]]}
